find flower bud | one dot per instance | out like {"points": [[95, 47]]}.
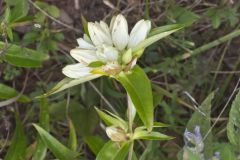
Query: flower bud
{"points": [[116, 133], [127, 56]]}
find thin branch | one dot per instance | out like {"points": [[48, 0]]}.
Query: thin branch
{"points": [[102, 96], [225, 72], [54, 19], [222, 111], [208, 46]]}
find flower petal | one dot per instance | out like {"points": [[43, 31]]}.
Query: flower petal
{"points": [[87, 39], [99, 35], [111, 54], [112, 22], [119, 30], [84, 44], [84, 55], [105, 27], [139, 32], [76, 70]]}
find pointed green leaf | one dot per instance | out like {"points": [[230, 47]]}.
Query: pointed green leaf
{"points": [[165, 28], [155, 37], [233, 127], [122, 153], [112, 119], [95, 143], [18, 143], [108, 151], [112, 151], [7, 92], [41, 148], [155, 125], [85, 25], [69, 82], [72, 142], [150, 135], [139, 89], [19, 9], [21, 56], [58, 149], [151, 151], [182, 15]]}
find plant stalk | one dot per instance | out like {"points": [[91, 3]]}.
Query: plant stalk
{"points": [[210, 45], [130, 154]]}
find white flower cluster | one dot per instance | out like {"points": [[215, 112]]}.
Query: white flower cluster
{"points": [[110, 46]]}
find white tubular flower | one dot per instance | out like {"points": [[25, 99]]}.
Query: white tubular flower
{"points": [[139, 32], [119, 30], [109, 46], [107, 53], [76, 70], [84, 56], [85, 44], [98, 34]]}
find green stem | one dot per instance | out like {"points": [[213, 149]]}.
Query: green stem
{"points": [[130, 152], [209, 45]]}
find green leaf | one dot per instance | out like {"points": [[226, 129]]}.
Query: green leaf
{"points": [[139, 89], [58, 149], [41, 148], [112, 119], [10, 33], [78, 114], [96, 64], [182, 15], [85, 25], [30, 37], [50, 9], [150, 135], [7, 92], [112, 151], [151, 151], [188, 154], [95, 143], [233, 126], [108, 151], [155, 37], [221, 14], [72, 142], [165, 28], [198, 119], [123, 151], [81, 116], [22, 57], [160, 124], [18, 143], [155, 125], [227, 151], [54, 11], [69, 82], [19, 9], [7, 14]]}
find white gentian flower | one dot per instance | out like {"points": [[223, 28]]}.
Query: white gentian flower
{"points": [[107, 49]]}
